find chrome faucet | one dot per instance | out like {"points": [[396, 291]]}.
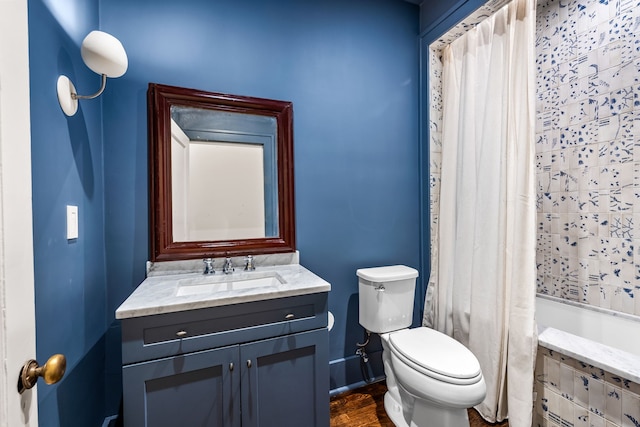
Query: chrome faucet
{"points": [[248, 263], [227, 268], [208, 266]]}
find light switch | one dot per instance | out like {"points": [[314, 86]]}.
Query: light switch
{"points": [[72, 222]]}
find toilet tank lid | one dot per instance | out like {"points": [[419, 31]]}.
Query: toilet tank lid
{"points": [[388, 273]]}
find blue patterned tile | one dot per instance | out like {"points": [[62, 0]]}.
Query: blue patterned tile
{"points": [[596, 397], [615, 127], [624, 5], [621, 100], [596, 421], [630, 409], [581, 417], [619, 76], [621, 226], [588, 41], [621, 200]]}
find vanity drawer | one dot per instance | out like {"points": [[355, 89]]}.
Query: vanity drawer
{"points": [[163, 335]]}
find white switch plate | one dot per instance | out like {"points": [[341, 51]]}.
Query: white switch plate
{"points": [[72, 222]]}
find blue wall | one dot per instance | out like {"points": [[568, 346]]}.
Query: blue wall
{"points": [[67, 168], [351, 69]]}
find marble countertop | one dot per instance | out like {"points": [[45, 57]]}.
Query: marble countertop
{"points": [[160, 293]]}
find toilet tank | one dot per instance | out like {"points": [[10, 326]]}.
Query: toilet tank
{"points": [[386, 297]]}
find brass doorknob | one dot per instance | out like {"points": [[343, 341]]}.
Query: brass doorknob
{"points": [[52, 372]]}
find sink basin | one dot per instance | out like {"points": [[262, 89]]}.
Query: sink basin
{"points": [[228, 283]]}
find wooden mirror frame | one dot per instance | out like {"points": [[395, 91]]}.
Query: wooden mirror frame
{"points": [[160, 98]]}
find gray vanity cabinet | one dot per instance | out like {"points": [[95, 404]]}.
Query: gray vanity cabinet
{"points": [[262, 363], [286, 381], [195, 389]]}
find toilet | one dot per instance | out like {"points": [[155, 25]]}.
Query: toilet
{"points": [[431, 378]]}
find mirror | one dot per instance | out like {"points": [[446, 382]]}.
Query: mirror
{"points": [[221, 174]]}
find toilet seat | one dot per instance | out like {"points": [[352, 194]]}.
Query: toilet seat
{"points": [[436, 355]]}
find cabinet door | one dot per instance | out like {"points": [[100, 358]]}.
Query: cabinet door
{"points": [[285, 381], [196, 389]]}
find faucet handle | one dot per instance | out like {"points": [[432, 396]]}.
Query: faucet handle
{"points": [[248, 265], [228, 266], [208, 266]]}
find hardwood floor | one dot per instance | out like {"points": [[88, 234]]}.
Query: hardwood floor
{"points": [[364, 407]]}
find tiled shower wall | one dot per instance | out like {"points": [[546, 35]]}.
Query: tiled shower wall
{"points": [[588, 166], [588, 188], [588, 159]]}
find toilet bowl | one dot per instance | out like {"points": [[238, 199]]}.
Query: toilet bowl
{"points": [[433, 388], [431, 378]]}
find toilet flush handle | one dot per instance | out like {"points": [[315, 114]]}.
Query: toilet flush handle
{"points": [[380, 288]]}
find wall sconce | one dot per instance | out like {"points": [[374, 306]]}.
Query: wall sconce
{"points": [[104, 55]]}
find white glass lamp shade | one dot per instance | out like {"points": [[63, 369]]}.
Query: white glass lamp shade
{"points": [[104, 54]]}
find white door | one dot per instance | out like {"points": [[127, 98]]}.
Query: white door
{"points": [[17, 311]]}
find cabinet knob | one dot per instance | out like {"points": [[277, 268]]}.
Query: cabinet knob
{"points": [[231, 366], [181, 334], [289, 316], [248, 363]]}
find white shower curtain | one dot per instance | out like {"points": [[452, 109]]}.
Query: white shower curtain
{"points": [[482, 289]]}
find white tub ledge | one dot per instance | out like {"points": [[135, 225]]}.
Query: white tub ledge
{"points": [[613, 360]]}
